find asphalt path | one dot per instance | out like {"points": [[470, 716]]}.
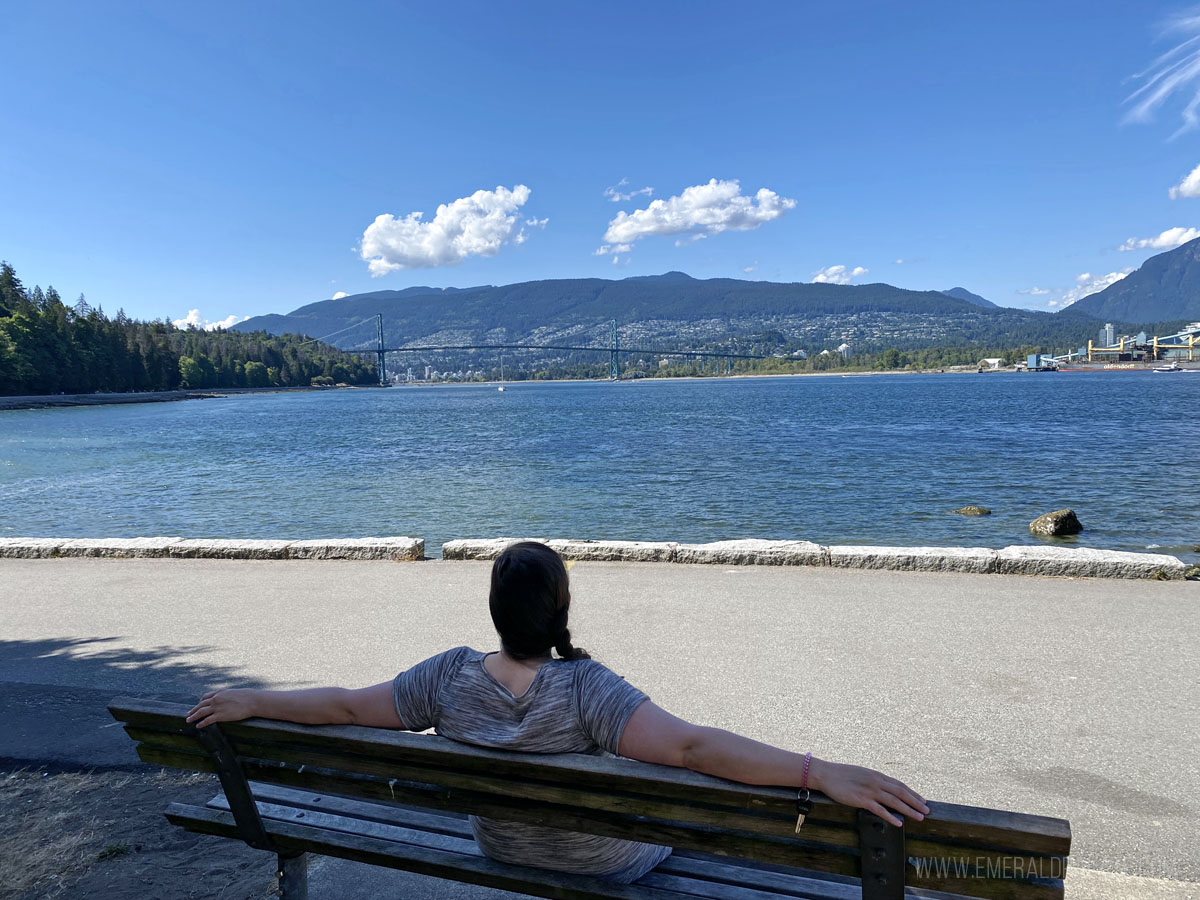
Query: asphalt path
{"points": [[1064, 697]]}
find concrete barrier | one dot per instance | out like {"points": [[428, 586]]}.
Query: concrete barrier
{"points": [[390, 548], [1077, 562], [754, 552], [30, 548], [616, 551], [1022, 560], [482, 548], [914, 559], [118, 547], [1084, 562], [400, 549]]}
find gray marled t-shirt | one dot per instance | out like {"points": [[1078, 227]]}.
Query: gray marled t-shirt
{"points": [[572, 706]]}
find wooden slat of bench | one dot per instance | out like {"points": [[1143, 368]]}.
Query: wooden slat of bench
{"points": [[412, 827], [787, 880], [984, 828], [685, 864], [641, 805], [462, 867], [779, 851]]}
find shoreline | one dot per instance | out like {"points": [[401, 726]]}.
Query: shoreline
{"points": [[63, 401], [66, 401]]}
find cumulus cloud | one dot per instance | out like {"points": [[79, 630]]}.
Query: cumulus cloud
{"points": [[194, 320], [1189, 187], [616, 195], [1168, 240], [1086, 284], [1035, 291], [698, 212], [750, 268], [339, 295], [478, 225], [539, 224], [837, 274], [1176, 72]]}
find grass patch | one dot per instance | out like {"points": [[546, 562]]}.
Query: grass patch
{"points": [[112, 851]]}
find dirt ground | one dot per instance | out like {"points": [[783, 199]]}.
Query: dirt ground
{"points": [[101, 834]]}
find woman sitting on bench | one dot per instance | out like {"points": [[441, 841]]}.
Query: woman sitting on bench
{"points": [[520, 698]]}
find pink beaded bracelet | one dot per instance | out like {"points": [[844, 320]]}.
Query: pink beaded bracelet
{"points": [[804, 774]]}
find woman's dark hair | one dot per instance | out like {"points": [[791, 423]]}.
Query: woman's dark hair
{"points": [[530, 601]]}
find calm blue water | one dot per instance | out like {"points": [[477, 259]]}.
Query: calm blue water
{"points": [[835, 460]]}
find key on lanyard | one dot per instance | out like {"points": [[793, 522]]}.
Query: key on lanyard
{"points": [[803, 807]]}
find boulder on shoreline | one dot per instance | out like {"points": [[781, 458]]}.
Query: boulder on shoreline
{"points": [[972, 511], [1056, 524]]}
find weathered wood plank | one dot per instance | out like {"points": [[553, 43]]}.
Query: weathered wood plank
{"points": [[994, 829], [413, 827], [439, 864], [712, 840], [815, 831], [175, 759]]}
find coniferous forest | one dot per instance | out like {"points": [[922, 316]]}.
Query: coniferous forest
{"points": [[48, 347]]}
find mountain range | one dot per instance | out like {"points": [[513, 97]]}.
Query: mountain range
{"points": [[1165, 288], [676, 310]]}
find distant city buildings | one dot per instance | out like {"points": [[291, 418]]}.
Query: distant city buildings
{"points": [[1108, 336]]}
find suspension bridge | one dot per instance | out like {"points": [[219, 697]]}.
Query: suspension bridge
{"points": [[613, 349]]}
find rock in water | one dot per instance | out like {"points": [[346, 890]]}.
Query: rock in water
{"points": [[972, 511], [1054, 524]]}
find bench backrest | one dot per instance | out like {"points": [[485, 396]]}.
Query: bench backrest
{"points": [[958, 849]]}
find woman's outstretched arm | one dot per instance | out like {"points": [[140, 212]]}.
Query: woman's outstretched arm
{"points": [[654, 735], [371, 706]]}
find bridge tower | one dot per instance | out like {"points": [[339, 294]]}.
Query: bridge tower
{"points": [[614, 356], [380, 351]]}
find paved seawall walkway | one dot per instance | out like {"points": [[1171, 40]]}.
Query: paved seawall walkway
{"points": [[1065, 697]]}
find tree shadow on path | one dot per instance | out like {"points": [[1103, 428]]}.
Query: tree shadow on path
{"points": [[54, 693]]}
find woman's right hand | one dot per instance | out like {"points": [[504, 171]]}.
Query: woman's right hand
{"points": [[867, 789], [229, 705]]}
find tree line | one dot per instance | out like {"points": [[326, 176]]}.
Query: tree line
{"points": [[48, 347]]}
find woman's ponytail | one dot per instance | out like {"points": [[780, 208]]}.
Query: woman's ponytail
{"points": [[566, 650]]}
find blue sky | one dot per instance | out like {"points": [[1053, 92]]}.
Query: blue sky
{"points": [[235, 158]]}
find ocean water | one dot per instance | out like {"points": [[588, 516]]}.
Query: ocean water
{"points": [[875, 460]]}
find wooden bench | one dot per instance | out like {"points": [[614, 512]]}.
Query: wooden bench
{"points": [[400, 800]]}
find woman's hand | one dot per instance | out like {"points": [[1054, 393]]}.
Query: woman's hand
{"points": [[229, 705], [868, 789]]}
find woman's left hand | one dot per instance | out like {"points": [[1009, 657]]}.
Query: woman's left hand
{"points": [[229, 705]]}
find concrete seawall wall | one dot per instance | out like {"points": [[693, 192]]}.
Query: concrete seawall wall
{"points": [[1075, 562], [393, 548], [1019, 560]]}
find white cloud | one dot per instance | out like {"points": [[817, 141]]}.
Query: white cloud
{"points": [[837, 274], [899, 262], [1086, 284], [194, 320], [1175, 72], [478, 225], [616, 195], [1168, 240], [1035, 291], [339, 295], [539, 224], [1189, 187], [750, 268], [699, 211]]}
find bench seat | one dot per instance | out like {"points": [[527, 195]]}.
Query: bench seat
{"points": [[442, 846]]}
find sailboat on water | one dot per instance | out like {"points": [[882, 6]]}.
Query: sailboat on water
{"points": [[501, 387]]}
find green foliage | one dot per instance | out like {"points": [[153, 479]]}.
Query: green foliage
{"points": [[47, 347]]}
